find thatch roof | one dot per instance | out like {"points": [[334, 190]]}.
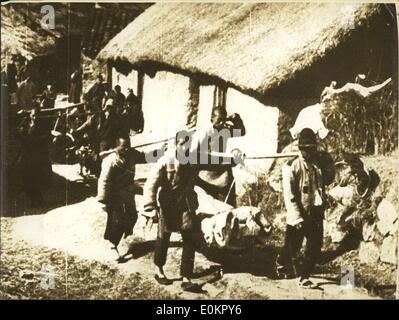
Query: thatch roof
{"points": [[254, 47], [21, 32], [18, 38]]}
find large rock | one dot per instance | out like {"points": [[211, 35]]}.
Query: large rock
{"points": [[389, 250], [368, 253], [387, 218]]}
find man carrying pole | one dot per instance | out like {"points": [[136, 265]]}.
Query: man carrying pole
{"points": [[116, 190], [304, 181], [171, 184]]}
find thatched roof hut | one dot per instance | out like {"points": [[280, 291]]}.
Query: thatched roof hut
{"points": [[17, 38], [257, 48], [22, 33], [96, 25]]}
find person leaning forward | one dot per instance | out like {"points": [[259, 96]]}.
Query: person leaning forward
{"points": [[178, 203], [174, 182], [304, 181], [116, 190]]}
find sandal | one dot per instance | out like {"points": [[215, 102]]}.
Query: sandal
{"points": [[163, 280], [307, 284]]}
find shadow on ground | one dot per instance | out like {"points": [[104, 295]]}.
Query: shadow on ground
{"points": [[258, 261], [61, 193]]}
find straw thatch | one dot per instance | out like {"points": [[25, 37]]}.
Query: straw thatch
{"points": [[254, 47], [18, 38], [21, 32]]}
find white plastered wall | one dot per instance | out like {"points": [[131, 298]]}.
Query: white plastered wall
{"points": [[165, 111]]}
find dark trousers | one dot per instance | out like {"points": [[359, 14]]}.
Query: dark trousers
{"points": [[312, 230], [187, 259], [121, 220]]}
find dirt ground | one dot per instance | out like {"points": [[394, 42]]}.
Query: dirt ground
{"points": [[67, 235]]}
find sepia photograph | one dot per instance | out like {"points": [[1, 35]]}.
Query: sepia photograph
{"points": [[180, 150]]}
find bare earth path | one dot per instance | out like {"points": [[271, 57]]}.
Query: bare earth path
{"points": [[69, 239]]}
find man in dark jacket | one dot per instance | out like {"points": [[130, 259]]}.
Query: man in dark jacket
{"points": [[109, 127], [178, 202], [26, 93], [76, 86], [48, 97], [96, 93], [172, 182], [34, 164], [134, 112], [12, 75], [119, 99], [304, 181]]}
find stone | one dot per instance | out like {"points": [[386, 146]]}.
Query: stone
{"points": [[369, 253], [368, 231], [387, 218], [389, 250], [212, 290], [332, 230], [342, 195]]}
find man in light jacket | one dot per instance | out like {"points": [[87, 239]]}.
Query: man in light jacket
{"points": [[304, 181]]}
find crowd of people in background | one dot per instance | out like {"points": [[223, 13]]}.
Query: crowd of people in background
{"points": [[97, 116]]}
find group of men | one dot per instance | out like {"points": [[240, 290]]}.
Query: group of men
{"points": [[170, 199], [109, 115]]}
